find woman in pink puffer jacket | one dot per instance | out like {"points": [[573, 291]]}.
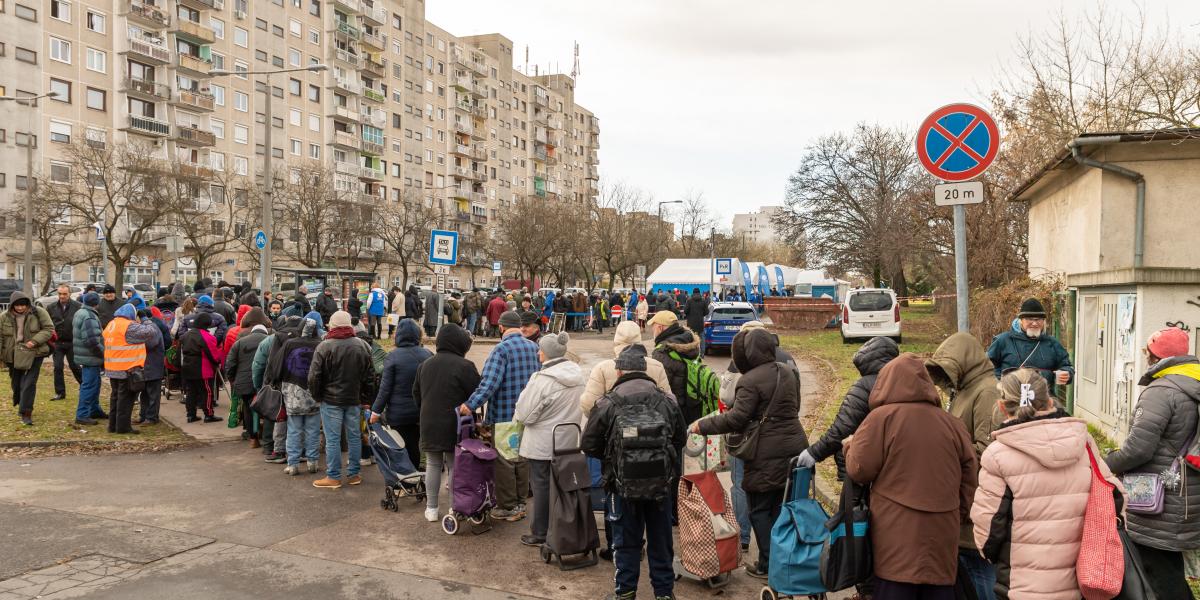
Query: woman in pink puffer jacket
{"points": [[1033, 488]]}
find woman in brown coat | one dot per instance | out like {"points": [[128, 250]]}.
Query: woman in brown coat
{"points": [[921, 466]]}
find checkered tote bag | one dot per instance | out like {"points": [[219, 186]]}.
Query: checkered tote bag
{"points": [[708, 529]]}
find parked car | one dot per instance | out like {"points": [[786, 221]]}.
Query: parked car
{"points": [[148, 292], [52, 297], [546, 290], [723, 322], [870, 312], [7, 287]]}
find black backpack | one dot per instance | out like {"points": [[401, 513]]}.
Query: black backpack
{"points": [[639, 446]]}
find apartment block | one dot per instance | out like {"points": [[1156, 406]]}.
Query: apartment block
{"points": [[756, 226], [404, 112]]}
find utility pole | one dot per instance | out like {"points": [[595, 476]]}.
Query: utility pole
{"points": [[31, 102], [712, 264]]}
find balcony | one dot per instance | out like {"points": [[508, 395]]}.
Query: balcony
{"points": [[194, 170], [469, 173], [373, 94], [479, 153], [203, 4], [463, 127], [346, 140], [193, 100], [370, 173], [345, 57], [479, 219], [194, 31], [155, 54], [542, 101], [147, 14], [462, 193], [148, 126], [471, 61], [145, 89], [554, 123], [345, 168], [370, 198], [594, 127], [347, 85], [194, 136], [376, 117], [376, 68], [539, 154], [377, 41], [377, 14], [351, 6], [194, 64], [343, 112], [346, 29], [461, 150], [373, 148]]}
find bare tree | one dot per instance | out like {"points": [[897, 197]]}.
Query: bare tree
{"points": [[312, 210], [216, 213], [404, 228], [53, 227], [695, 223], [613, 228]]}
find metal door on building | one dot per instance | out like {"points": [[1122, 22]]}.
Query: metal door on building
{"points": [[1104, 357]]}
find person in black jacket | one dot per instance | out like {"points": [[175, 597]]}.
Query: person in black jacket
{"points": [[223, 307], [673, 344], [62, 314], [442, 384], [695, 310], [869, 360], [412, 304], [109, 303], [354, 307], [301, 300], [326, 304], [394, 402], [339, 378]]}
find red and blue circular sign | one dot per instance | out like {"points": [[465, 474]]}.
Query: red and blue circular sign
{"points": [[958, 142]]}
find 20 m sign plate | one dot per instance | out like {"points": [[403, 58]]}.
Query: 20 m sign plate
{"points": [[964, 192]]}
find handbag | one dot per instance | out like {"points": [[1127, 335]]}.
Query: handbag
{"points": [[1100, 567], [1136, 584], [846, 558], [135, 379], [268, 402], [508, 438], [1144, 491], [744, 445]]}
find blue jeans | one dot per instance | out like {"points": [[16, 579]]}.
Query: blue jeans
{"points": [[89, 394], [631, 519], [308, 427], [981, 572], [338, 420], [741, 507], [472, 319]]}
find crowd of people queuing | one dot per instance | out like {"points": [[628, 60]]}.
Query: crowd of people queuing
{"points": [[973, 467]]}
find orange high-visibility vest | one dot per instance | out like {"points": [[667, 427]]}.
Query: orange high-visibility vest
{"points": [[118, 354]]}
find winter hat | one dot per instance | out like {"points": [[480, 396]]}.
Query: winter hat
{"points": [[90, 299], [528, 317], [664, 317], [1169, 342], [127, 311], [340, 318], [510, 319], [628, 333], [748, 325], [554, 345], [631, 359], [202, 321], [109, 289], [1032, 308], [204, 300], [154, 312]]}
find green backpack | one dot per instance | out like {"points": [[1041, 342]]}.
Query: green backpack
{"points": [[703, 385]]}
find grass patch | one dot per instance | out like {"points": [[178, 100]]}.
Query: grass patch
{"points": [[1106, 445], [923, 331], [54, 421]]}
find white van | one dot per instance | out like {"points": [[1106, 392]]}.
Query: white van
{"points": [[870, 312]]}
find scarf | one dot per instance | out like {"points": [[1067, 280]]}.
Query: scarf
{"points": [[340, 333]]}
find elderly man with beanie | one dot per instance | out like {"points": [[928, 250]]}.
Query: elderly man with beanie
{"points": [[88, 339], [531, 326], [125, 341], [338, 379], [1026, 345], [25, 331], [109, 303], [604, 375], [204, 306], [505, 373], [550, 399], [675, 344], [1164, 423]]}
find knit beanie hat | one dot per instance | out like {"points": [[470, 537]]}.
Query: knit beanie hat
{"points": [[340, 318], [510, 319], [109, 289], [631, 359], [90, 299], [628, 333], [1032, 308], [204, 300], [1169, 342], [528, 317], [554, 345]]}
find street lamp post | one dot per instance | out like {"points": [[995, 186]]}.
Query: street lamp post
{"points": [[30, 101], [268, 211], [660, 205]]}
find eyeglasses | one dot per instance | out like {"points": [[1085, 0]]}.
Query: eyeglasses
{"points": [[1034, 320]]}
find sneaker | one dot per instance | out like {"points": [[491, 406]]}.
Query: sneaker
{"points": [[667, 597], [276, 458], [291, 470], [531, 540], [354, 480], [312, 466], [103, 416], [622, 596], [27, 420], [363, 462], [59, 397], [85, 421], [755, 571], [211, 419], [328, 483], [193, 419], [431, 515], [511, 516]]}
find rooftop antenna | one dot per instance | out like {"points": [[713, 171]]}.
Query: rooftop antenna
{"points": [[575, 68], [526, 67]]}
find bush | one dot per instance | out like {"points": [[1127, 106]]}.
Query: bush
{"points": [[992, 310]]}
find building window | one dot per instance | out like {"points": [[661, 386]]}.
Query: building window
{"points": [[60, 50], [314, 93], [314, 122], [277, 61], [62, 89], [277, 30], [61, 10], [218, 93], [295, 116], [241, 37], [218, 27], [294, 57], [240, 68], [297, 147], [60, 172], [97, 60], [314, 151], [314, 36], [260, 24], [96, 22], [26, 13], [22, 139], [295, 28], [241, 165], [260, 55], [294, 87], [241, 134], [241, 102], [96, 99], [60, 132]]}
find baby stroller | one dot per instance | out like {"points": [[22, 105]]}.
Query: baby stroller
{"points": [[572, 525], [473, 487], [401, 478]]}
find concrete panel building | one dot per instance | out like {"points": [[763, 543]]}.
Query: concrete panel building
{"points": [[756, 226]]}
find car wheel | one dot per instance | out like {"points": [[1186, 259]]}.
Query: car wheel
{"points": [[846, 340], [898, 339]]}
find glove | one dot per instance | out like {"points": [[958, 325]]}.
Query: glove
{"points": [[805, 460]]}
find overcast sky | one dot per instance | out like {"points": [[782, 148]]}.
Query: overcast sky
{"points": [[722, 97]]}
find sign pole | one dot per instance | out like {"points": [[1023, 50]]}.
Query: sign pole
{"points": [[960, 266]]}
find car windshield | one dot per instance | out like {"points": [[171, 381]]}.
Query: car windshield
{"points": [[9, 285], [870, 301], [736, 313]]}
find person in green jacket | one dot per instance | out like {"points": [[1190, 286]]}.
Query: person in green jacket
{"points": [[1026, 345], [25, 331]]}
